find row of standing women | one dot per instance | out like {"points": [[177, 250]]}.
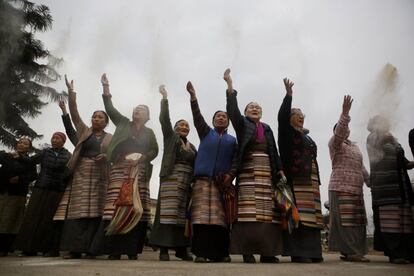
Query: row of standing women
{"points": [[105, 206]]}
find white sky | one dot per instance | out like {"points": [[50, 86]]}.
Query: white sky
{"points": [[328, 48]]}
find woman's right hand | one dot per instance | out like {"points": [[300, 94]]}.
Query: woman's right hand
{"points": [[191, 90], [163, 91], [105, 84], [346, 105], [288, 86], [69, 84], [62, 106]]}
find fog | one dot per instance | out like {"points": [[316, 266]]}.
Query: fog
{"points": [[328, 49]]}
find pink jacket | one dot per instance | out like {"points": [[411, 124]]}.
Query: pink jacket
{"points": [[348, 171]]}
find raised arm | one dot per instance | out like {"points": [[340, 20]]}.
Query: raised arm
{"points": [[411, 140], [365, 174], [67, 123], [232, 106], [200, 124], [165, 120], [284, 111], [73, 107], [112, 112], [342, 127]]}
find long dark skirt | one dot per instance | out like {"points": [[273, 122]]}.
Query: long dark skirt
{"points": [[130, 243], [78, 234], [347, 233], [303, 242], [167, 235], [256, 238], [6, 242], [210, 241], [396, 242], [39, 232]]}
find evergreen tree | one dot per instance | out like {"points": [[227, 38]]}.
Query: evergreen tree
{"points": [[26, 68]]}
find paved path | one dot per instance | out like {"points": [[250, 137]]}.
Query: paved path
{"points": [[148, 264]]}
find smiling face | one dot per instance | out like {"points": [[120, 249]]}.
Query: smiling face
{"points": [[99, 120], [23, 146], [220, 120], [57, 142], [182, 128], [297, 118], [253, 111]]}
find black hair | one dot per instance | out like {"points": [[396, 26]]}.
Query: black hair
{"points": [[215, 113], [176, 123], [104, 113]]}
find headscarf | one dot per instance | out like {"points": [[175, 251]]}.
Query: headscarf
{"points": [[61, 135]]}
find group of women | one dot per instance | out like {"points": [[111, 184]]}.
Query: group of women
{"points": [[96, 201]]}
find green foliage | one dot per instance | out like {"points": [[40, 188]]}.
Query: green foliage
{"points": [[26, 68]]}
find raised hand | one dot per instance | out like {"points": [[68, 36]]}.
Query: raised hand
{"points": [[105, 85], [62, 106], [226, 76], [229, 81], [288, 86], [347, 104], [69, 84], [104, 79], [163, 91], [191, 90]]}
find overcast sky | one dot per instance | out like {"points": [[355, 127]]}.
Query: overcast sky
{"points": [[328, 48]]}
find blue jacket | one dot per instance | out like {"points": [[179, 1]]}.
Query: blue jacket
{"points": [[215, 154]]}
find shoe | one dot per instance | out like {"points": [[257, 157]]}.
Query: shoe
{"points": [[72, 255], [317, 260], [226, 259], [185, 257], [269, 259], [249, 259], [52, 253], [301, 260], [399, 261], [114, 257], [89, 256], [164, 257], [200, 260], [132, 257], [27, 254]]}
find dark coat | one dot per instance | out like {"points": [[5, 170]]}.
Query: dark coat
{"points": [[53, 173], [297, 149], [11, 167], [390, 183], [172, 141], [70, 130], [246, 130], [411, 140]]}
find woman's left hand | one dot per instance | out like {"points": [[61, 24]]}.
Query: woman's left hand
{"points": [[100, 157], [14, 180]]}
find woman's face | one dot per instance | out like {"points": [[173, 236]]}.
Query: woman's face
{"points": [[182, 128], [23, 146], [140, 114], [57, 142], [221, 120], [99, 120], [253, 111], [297, 118]]}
